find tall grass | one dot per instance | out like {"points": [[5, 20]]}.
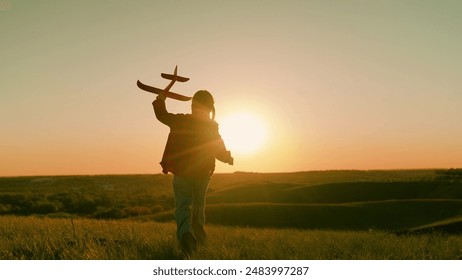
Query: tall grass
{"points": [[246, 243], [44, 238], [49, 239]]}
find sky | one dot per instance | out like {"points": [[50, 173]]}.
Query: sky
{"points": [[337, 84]]}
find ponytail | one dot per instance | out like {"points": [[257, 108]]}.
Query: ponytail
{"points": [[213, 112]]}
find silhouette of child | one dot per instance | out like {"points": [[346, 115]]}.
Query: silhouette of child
{"points": [[192, 146]]}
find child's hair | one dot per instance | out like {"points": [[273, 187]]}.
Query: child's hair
{"points": [[204, 98]]}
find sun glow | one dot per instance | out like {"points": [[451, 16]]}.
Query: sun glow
{"points": [[243, 133]]}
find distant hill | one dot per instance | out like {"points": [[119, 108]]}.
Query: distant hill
{"points": [[397, 200]]}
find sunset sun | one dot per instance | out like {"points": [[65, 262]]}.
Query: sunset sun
{"points": [[243, 133]]}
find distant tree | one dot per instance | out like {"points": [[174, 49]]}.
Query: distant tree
{"points": [[5, 209], [44, 207], [85, 206], [109, 213], [137, 211], [157, 209]]}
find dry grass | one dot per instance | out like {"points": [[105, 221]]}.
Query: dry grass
{"points": [[83, 239]]}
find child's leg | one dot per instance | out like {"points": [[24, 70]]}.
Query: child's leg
{"points": [[198, 218], [183, 191]]}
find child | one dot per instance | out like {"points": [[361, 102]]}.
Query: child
{"points": [[192, 147]]}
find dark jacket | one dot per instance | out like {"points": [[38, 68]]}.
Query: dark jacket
{"points": [[193, 144]]}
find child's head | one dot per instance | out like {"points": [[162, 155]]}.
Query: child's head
{"points": [[202, 103]]}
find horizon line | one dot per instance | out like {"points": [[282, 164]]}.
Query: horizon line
{"points": [[235, 172]]}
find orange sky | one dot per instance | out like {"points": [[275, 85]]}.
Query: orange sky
{"points": [[357, 85]]}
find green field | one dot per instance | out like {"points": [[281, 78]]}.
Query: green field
{"points": [[402, 214]]}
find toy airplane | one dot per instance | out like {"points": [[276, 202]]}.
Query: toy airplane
{"points": [[173, 78]]}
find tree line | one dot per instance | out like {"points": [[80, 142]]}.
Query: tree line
{"points": [[101, 197]]}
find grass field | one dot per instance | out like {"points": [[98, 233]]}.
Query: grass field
{"points": [[403, 214], [82, 239]]}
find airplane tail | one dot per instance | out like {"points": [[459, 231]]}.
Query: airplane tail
{"points": [[174, 76]]}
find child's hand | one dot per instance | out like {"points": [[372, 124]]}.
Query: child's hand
{"points": [[161, 96]]}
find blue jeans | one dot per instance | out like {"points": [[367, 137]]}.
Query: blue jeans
{"points": [[190, 205]]}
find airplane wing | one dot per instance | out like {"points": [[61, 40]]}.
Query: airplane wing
{"points": [[169, 94]]}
